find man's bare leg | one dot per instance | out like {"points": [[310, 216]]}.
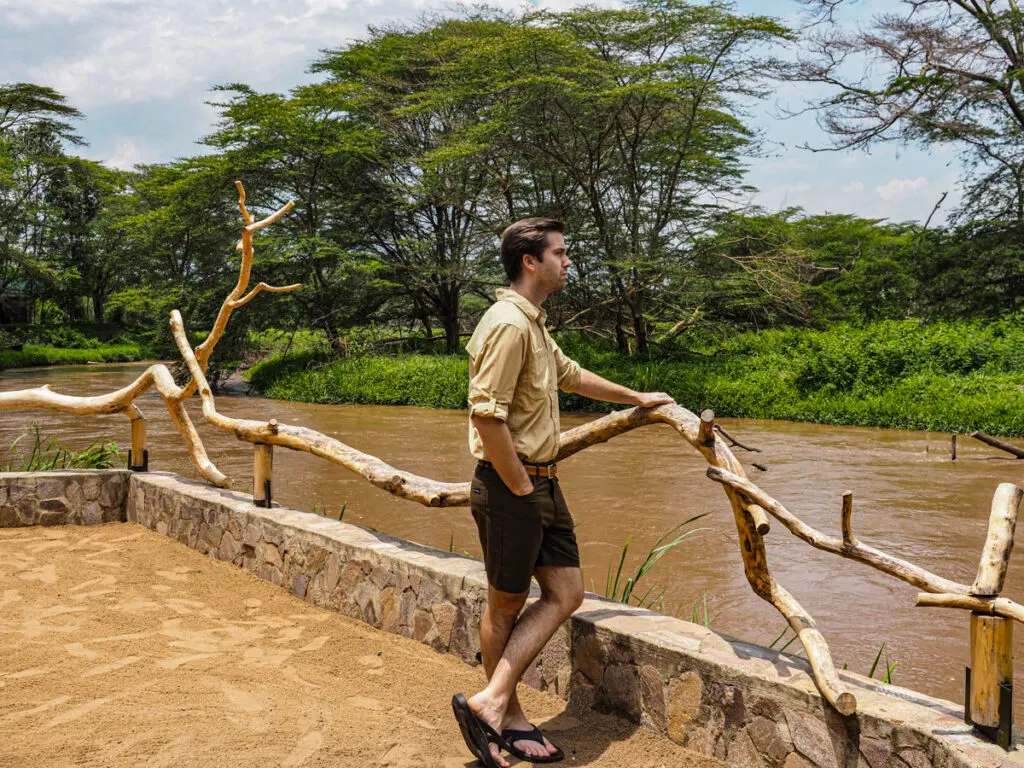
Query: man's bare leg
{"points": [[501, 611], [561, 594]]}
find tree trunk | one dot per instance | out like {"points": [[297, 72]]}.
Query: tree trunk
{"points": [[337, 347], [99, 301], [621, 342], [640, 330], [451, 333]]}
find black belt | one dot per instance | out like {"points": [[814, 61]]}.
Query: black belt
{"points": [[538, 470]]}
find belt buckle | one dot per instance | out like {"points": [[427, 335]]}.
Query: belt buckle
{"points": [[547, 468]]}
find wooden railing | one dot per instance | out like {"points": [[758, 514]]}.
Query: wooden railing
{"points": [[991, 614]]}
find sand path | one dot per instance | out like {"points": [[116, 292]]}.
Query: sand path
{"points": [[123, 648]]}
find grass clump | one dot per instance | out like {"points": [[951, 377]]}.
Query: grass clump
{"points": [[39, 453]]}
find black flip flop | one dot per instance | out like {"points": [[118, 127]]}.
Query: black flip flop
{"points": [[511, 735], [477, 734]]}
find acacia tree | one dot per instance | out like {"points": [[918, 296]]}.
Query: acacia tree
{"points": [[930, 71], [35, 127], [425, 206], [636, 109]]}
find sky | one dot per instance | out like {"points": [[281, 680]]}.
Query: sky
{"points": [[141, 72]]}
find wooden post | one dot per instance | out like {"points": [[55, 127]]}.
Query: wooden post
{"points": [[138, 458], [995, 558], [706, 433], [953, 448], [263, 464], [991, 666], [847, 519]]}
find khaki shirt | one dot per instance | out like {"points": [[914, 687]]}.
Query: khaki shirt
{"points": [[515, 372]]}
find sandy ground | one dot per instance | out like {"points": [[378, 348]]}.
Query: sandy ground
{"points": [[123, 648]]}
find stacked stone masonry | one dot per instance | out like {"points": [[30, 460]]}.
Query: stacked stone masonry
{"points": [[742, 703]]}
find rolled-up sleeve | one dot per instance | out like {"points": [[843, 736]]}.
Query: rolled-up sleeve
{"points": [[496, 366], [568, 370]]}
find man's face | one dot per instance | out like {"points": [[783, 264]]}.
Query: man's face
{"points": [[553, 269]]}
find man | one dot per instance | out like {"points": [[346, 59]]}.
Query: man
{"points": [[524, 524]]}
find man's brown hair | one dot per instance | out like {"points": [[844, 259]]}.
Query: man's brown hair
{"points": [[526, 236]]}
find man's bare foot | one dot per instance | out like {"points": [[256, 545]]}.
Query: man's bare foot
{"points": [[518, 722], [492, 714]]}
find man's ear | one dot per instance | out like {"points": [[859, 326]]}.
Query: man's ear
{"points": [[529, 261]]}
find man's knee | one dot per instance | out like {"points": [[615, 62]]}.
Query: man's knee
{"points": [[566, 591], [505, 606]]}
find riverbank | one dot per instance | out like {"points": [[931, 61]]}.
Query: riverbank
{"points": [[33, 356], [947, 377]]}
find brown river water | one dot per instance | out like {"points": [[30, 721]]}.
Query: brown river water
{"points": [[909, 500]]}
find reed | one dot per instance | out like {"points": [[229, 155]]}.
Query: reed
{"points": [[625, 591]]}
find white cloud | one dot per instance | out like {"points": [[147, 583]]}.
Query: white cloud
{"points": [[133, 52], [127, 153], [854, 186], [899, 189]]}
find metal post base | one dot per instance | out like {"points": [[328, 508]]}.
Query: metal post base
{"points": [[144, 466], [265, 501], [1001, 734]]}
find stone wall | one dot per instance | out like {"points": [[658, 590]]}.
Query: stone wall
{"points": [[742, 703], [73, 497]]}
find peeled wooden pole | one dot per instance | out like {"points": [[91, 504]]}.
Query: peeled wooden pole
{"points": [[991, 666], [847, 520], [139, 459], [706, 434], [995, 557], [993, 606], [262, 474]]}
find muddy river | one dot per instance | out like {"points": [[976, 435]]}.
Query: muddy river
{"points": [[909, 499]]}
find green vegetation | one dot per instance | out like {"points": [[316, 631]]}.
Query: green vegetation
{"points": [[43, 453], [431, 381], [419, 142], [34, 356], [887, 675], [944, 376]]}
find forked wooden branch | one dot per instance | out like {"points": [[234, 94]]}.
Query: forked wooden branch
{"points": [[852, 549], [158, 376], [432, 493], [941, 592]]}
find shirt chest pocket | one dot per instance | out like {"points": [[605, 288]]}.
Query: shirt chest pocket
{"points": [[540, 373]]}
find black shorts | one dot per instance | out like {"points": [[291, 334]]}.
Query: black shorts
{"points": [[521, 533]]}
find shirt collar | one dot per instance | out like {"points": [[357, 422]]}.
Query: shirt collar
{"points": [[533, 312]]}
